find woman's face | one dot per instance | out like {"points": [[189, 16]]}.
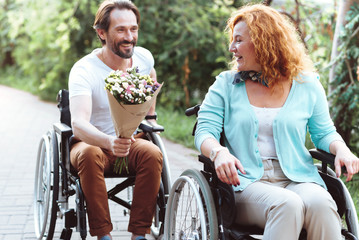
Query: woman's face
{"points": [[243, 48]]}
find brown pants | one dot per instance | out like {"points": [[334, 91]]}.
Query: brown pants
{"points": [[145, 160]]}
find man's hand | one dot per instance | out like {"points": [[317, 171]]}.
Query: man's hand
{"points": [[120, 147]]}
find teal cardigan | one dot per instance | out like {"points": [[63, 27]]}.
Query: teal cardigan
{"points": [[226, 106]]}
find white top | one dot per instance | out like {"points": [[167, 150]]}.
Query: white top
{"points": [[87, 77], [265, 139]]}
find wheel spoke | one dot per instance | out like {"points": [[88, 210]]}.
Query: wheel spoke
{"points": [[190, 211]]}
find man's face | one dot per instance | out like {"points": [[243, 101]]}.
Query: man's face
{"points": [[121, 37]]}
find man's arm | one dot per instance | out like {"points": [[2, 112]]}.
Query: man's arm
{"points": [[80, 108]]}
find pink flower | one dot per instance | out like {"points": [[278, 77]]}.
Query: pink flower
{"points": [[128, 89]]}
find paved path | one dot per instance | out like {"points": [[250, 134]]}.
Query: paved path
{"points": [[23, 120]]}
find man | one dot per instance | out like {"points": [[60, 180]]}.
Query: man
{"points": [[117, 25]]}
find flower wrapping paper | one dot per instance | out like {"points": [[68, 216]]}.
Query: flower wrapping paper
{"points": [[127, 117]]}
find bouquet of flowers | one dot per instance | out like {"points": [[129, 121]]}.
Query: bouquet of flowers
{"points": [[130, 97]]}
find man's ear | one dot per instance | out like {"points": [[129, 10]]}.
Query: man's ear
{"points": [[101, 34]]}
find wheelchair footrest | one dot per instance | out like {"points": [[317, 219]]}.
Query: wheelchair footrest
{"points": [[70, 218], [235, 235], [66, 234]]}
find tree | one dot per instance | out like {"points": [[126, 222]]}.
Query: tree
{"points": [[47, 41], [6, 44], [343, 86], [342, 12], [188, 42]]}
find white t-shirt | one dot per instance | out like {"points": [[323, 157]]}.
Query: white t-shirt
{"points": [[87, 77]]}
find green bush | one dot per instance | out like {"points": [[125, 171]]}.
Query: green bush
{"points": [[178, 127], [46, 41]]}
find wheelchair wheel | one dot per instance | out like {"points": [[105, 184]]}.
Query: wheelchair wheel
{"points": [[46, 186], [191, 210], [159, 215], [158, 220], [351, 217], [166, 174]]}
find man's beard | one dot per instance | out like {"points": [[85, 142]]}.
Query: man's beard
{"points": [[124, 54]]}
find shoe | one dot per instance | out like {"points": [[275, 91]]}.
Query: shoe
{"points": [[107, 237], [140, 238]]}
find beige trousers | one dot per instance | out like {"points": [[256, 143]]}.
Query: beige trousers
{"points": [[282, 207]]}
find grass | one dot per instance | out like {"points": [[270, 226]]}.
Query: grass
{"points": [[178, 127], [12, 77]]}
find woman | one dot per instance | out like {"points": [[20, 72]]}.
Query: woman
{"points": [[265, 106]]}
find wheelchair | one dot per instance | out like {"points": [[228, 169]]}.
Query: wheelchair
{"points": [[200, 206], [56, 181]]}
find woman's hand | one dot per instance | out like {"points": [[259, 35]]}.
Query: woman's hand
{"points": [[226, 166], [344, 157], [120, 147]]}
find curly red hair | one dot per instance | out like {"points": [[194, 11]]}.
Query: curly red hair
{"points": [[278, 47]]}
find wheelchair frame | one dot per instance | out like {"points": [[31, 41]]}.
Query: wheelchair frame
{"points": [[197, 191], [56, 181]]}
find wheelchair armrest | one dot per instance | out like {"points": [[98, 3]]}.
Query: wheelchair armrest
{"points": [[206, 162], [192, 110], [63, 129], [147, 127], [322, 156], [325, 158]]}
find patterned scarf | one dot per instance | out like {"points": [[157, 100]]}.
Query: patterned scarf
{"points": [[252, 75]]}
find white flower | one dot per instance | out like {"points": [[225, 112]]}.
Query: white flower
{"points": [[111, 80], [117, 88], [130, 86]]}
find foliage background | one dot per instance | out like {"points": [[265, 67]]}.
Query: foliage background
{"points": [[38, 46]]}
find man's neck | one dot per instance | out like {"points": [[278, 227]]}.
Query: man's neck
{"points": [[114, 61]]}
